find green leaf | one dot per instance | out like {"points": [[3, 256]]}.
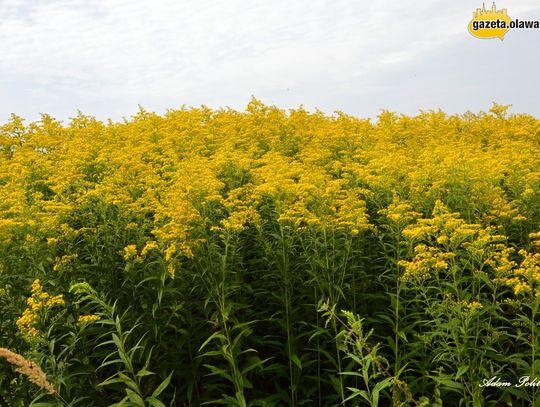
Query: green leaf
{"points": [[162, 386], [461, 371], [154, 402], [144, 372], [296, 361], [135, 398], [377, 389], [357, 392]]}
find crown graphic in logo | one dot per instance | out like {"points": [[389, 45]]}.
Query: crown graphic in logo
{"points": [[482, 12]]}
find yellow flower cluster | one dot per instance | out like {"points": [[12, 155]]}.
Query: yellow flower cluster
{"points": [[39, 302], [501, 261], [447, 228], [149, 247], [461, 308], [400, 212], [471, 307], [535, 239], [130, 252], [522, 277], [88, 319], [426, 260], [61, 263], [196, 170], [171, 269]]}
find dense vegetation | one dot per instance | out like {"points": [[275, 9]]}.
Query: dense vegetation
{"points": [[270, 258]]}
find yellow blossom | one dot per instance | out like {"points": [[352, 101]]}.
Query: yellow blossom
{"points": [[130, 251], [88, 319], [38, 302]]}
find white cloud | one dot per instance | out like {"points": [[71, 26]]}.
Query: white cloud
{"points": [[107, 56]]}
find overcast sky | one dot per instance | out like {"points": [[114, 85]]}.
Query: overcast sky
{"points": [[105, 57]]}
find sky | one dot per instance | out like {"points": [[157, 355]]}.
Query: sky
{"points": [[107, 57]]}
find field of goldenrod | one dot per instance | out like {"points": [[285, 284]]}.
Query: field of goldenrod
{"points": [[270, 258]]}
